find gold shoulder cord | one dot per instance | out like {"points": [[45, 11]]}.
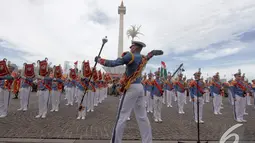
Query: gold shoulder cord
{"points": [[135, 75]]}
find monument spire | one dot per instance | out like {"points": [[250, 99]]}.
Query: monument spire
{"points": [[121, 12]]}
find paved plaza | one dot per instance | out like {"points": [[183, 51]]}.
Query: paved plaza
{"points": [[98, 124]]}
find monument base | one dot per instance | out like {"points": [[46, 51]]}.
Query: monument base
{"points": [[115, 72]]}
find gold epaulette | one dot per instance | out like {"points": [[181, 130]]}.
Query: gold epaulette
{"points": [[233, 83]]}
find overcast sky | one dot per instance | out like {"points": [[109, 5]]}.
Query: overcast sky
{"points": [[214, 35]]}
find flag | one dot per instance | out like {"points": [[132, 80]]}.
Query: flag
{"points": [[163, 72]]}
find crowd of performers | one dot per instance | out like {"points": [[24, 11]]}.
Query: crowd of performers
{"points": [[50, 84], [160, 91]]}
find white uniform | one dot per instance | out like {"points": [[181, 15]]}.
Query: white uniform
{"points": [[216, 103], [70, 95], [55, 100], [43, 100], [82, 114], [169, 94], [181, 101], [134, 99], [158, 100], [90, 101], [230, 96], [201, 101], [207, 95], [4, 101], [96, 96], [24, 98]]}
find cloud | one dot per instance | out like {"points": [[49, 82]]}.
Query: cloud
{"points": [[11, 53], [212, 54], [225, 71], [100, 17], [197, 33], [248, 36]]}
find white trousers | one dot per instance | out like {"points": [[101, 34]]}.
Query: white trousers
{"points": [[84, 103], [230, 97], [146, 100], [239, 107], [70, 95], [106, 92], [150, 102], [200, 104], [134, 99], [66, 92], [190, 100], [185, 97], [181, 100], [248, 99], [207, 95], [175, 98], [169, 95], [90, 101], [76, 95], [96, 97], [253, 94], [43, 102], [24, 97], [4, 101], [101, 95], [157, 107], [221, 100], [164, 98], [216, 103], [55, 99]]}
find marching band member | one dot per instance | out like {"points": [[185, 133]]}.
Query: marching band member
{"points": [[16, 85], [253, 90], [75, 97], [82, 84], [216, 91], [197, 92], [207, 92], [105, 84], [169, 90], [44, 87], [186, 91], [92, 91], [85, 85], [5, 86], [203, 85], [157, 91], [134, 97], [239, 93], [144, 83], [57, 87], [100, 87], [180, 92], [230, 91], [149, 94], [249, 94], [72, 76], [28, 75], [246, 92]]}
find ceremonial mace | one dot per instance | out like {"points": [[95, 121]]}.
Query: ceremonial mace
{"points": [[104, 40], [179, 68]]}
